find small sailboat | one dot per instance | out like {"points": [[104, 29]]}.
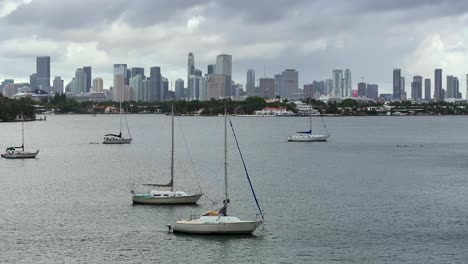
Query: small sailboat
{"points": [[219, 221], [156, 196], [308, 136], [19, 152], [119, 139]]}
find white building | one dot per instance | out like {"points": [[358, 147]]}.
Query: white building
{"points": [[274, 111]]}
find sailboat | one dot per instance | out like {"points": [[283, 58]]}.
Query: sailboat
{"points": [[19, 152], [307, 136], [119, 139], [156, 196], [219, 221]]}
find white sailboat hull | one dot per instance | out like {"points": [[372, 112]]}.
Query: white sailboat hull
{"points": [[149, 199], [308, 138], [117, 141], [20, 155], [216, 225]]}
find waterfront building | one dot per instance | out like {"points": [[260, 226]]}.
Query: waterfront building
{"points": [[216, 85], [290, 84], [277, 78], [164, 89], [403, 89], [120, 71], [224, 67], [396, 84], [155, 90], [427, 89], [452, 87], [136, 82], [87, 70], [362, 89], [438, 93], [372, 91], [43, 72], [337, 82], [267, 88], [33, 81], [98, 85], [250, 84], [9, 90], [137, 70], [79, 82], [57, 85], [416, 88], [147, 85], [347, 90], [179, 89]]}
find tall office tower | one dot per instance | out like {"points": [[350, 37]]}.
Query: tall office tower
{"points": [[98, 85], [290, 84], [43, 72], [427, 89], [190, 67], [224, 67], [250, 84], [33, 81], [277, 84], [372, 91], [337, 82], [164, 89], [137, 70], [416, 88], [403, 89], [79, 84], [147, 85], [58, 85], [203, 88], [136, 82], [179, 89], [347, 84], [397, 84], [452, 87], [211, 69], [362, 89], [466, 95], [155, 91], [328, 87], [87, 70], [120, 71], [438, 85], [216, 85], [267, 87], [128, 74]]}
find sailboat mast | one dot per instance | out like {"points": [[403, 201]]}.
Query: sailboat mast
{"points": [[22, 130], [172, 151], [225, 158], [120, 109], [310, 116]]}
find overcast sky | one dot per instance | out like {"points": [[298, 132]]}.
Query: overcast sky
{"points": [[370, 37]]}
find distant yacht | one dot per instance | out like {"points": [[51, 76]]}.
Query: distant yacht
{"points": [[308, 136], [119, 139], [19, 152]]}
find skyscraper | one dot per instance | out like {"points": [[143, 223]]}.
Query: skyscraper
{"points": [[337, 82], [466, 95], [452, 87], [190, 67], [224, 67], [397, 84], [120, 70], [33, 81], [402, 89], [427, 89], [250, 84], [372, 91], [347, 84], [211, 69], [179, 89], [58, 85], [79, 83], [438, 85], [137, 70], [267, 87], [362, 89], [277, 84], [164, 89], [289, 84], [416, 88], [98, 85], [43, 72], [155, 91], [87, 70], [216, 85]]}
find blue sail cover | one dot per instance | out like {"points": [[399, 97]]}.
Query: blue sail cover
{"points": [[305, 132]]}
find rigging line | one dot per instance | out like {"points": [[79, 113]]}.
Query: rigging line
{"points": [[325, 126], [245, 169]]}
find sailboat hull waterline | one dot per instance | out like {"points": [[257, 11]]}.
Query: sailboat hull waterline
{"points": [[215, 225], [308, 138], [152, 199], [20, 155], [109, 140]]}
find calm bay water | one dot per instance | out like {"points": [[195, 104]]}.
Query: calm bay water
{"points": [[356, 199]]}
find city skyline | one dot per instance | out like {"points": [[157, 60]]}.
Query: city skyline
{"points": [[142, 38]]}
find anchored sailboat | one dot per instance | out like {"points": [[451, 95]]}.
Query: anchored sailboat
{"points": [[119, 139], [308, 136], [19, 152], [218, 221], [155, 196]]}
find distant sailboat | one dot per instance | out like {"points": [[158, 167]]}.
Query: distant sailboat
{"points": [[218, 221], [119, 139], [156, 196], [19, 152], [308, 136]]}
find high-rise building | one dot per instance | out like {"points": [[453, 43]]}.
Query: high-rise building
{"points": [[155, 91], [120, 71], [224, 67], [98, 85], [57, 85], [290, 84], [416, 88], [438, 85], [267, 87], [250, 84], [403, 89], [466, 95], [79, 83], [211, 69], [43, 72], [164, 89], [452, 87], [347, 84], [136, 82], [179, 89], [328, 90], [190, 67], [337, 82], [427, 89], [362, 89], [372, 91], [216, 85], [33, 81], [277, 84], [87, 70], [137, 70], [147, 86], [397, 84]]}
